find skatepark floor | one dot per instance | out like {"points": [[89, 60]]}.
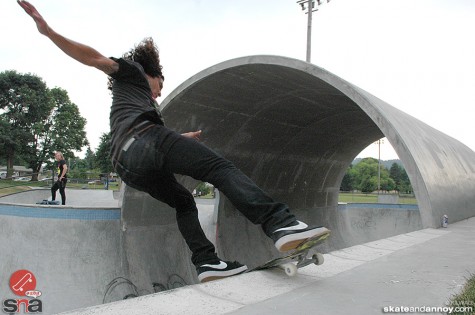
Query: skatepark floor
{"points": [[421, 269]]}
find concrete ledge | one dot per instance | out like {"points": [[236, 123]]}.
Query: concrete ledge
{"points": [[234, 293]]}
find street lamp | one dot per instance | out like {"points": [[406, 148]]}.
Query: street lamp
{"points": [[379, 142], [310, 9]]}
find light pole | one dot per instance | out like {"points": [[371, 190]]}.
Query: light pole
{"points": [[379, 142], [310, 9]]}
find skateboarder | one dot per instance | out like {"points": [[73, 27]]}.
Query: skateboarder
{"points": [[146, 154], [62, 178]]}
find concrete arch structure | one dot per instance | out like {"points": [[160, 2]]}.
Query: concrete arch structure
{"points": [[295, 128]]}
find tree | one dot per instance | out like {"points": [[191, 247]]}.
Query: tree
{"points": [[103, 159], [399, 175], [36, 121], [203, 189], [89, 161], [61, 129], [406, 186], [363, 176], [347, 184], [23, 102], [396, 174], [366, 176]]}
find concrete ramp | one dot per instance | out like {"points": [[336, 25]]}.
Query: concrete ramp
{"points": [[156, 253], [74, 253], [352, 224], [83, 255], [416, 269]]}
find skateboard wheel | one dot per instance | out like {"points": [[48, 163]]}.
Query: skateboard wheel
{"points": [[290, 269], [318, 258]]}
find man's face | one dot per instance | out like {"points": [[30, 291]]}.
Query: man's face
{"points": [[156, 85]]}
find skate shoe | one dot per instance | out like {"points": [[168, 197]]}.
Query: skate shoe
{"points": [[294, 234], [221, 269]]}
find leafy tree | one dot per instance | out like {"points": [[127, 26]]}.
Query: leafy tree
{"points": [[365, 170], [363, 176], [203, 189], [23, 102], [399, 175], [347, 184], [405, 183], [36, 121], [387, 183], [82, 168], [103, 160], [366, 176], [396, 173], [89, 160], [63, 129]]}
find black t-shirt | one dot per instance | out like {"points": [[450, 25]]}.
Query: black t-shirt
{"points": [[132, 101], [61, 164]]}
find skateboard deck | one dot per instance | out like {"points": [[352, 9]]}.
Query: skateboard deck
{"points": [[48, 202], [298, 258]]}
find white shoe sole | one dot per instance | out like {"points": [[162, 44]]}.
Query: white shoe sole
{"points": [[291, 241], [216, 274]]}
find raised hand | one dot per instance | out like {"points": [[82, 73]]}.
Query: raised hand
{"points": [[31, 10], [193, 135]]}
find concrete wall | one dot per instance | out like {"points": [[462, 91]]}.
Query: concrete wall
{"points": [[73, 253], [294, 128], [83, 256], [154, 248], [351, 224]]}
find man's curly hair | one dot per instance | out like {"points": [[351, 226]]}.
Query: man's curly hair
{"points": [[146, 54]]}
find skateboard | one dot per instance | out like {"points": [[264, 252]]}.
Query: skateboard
{"points": [[48, 202], [298, 258]]}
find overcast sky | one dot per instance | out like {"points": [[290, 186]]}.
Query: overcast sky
{"points": [[418, 56]]}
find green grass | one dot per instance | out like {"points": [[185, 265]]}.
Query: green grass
{"points": [[8, 187], [11, 190], [357, 198], [465, 299], [371, 198]]}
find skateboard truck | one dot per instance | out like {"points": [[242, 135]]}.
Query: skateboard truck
{"points": [[298, 258], [291, 268]]}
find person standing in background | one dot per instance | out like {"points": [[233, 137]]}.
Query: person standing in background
{"points": [[62, 178]]}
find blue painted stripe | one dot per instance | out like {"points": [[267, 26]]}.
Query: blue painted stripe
{"points": [[60, 213], [383, 206]]}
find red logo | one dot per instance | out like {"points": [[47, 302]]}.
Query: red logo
{"points": [[23, 282]]}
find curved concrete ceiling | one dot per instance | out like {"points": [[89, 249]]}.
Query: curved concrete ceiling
{"points": [[295, 128]]}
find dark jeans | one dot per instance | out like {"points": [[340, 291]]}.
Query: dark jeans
{"points": [[150, 162], [61, 185]]}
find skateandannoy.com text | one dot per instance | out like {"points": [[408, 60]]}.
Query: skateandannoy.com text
{"points": [[429, 309]]}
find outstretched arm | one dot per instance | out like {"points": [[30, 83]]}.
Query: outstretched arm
{"points": [[82, 53]]}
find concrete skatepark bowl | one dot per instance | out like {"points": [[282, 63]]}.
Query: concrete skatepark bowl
{"points": [[73, 250], [294, 128]]}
